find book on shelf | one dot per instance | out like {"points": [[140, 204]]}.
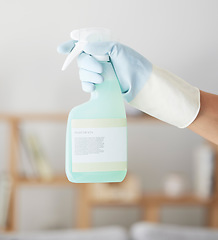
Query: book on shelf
{"points": [[27, 168], [204, 163], [35, 163], [5, 197]]}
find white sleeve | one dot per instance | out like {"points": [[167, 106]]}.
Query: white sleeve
{"points": [[168, 98]]}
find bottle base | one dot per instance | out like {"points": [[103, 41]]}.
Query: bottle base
{"points": [[96, 177]]}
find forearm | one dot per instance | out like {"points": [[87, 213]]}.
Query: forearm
{"points": [[206, 123]]}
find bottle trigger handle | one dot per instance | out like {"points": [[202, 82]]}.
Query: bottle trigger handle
{"points": [[74, 53]]}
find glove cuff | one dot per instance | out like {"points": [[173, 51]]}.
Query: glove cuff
{"points": [[169, 98]]}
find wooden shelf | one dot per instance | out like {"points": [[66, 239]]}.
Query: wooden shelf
{"points": [[115, 203], [157, 199], [187, 199], [34, 117], [57, 180]]}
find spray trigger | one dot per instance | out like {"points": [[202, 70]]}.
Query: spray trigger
{"points": [[74, 53]]}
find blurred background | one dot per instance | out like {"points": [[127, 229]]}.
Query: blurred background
{"points": [[180, 36]]}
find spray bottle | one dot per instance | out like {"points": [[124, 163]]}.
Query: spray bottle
{"points": [[96, 138]]}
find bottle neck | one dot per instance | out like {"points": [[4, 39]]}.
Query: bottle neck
{"points": [[107, 96], [110, 88]]}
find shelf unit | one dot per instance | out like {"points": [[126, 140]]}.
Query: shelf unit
{"points": [[150, 204], [14, 120]]}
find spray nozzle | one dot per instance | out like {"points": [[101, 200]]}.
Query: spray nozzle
{"points": [[83, 36]]}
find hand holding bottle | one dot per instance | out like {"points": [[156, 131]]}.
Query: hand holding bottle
{"points": [[132, 69], [144, 86]]}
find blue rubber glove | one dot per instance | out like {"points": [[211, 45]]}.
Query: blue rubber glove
{"points": [[131, 68], [146, 87]]}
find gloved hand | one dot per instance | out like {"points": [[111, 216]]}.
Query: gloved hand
{"points": [[144, 86], [131, 68]]}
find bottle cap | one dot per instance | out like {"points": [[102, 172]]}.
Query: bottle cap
{"points": [[83, 36]]}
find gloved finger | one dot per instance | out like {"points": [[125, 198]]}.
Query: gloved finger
{"points": [[88, 87], [100, 48], [66, 47], [87, 76], [89, 63]]}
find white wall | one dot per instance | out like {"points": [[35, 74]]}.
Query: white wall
{"points": [[181, 36]]}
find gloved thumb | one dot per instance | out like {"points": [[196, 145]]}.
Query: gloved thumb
{"points": [[66, 47]]}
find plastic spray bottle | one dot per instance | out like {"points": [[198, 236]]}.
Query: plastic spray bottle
{"points": [[96, 138]]}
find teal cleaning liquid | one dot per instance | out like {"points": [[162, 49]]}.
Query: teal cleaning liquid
{"points": [[96, 139]]}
